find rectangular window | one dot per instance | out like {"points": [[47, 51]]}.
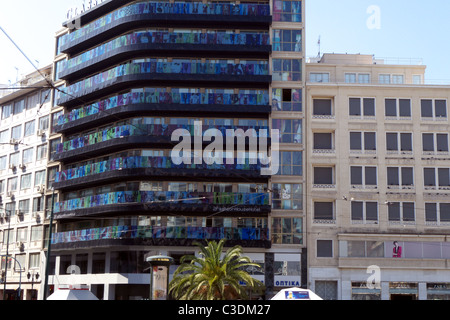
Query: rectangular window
{"points": [[44, 123], [12, 184], [324, 248], [322, 107], [39, 178], [27, 156], [433, 109], [363, 78], [287, 230], [398, 141], [287, 70], [362, 107], [34, 261], [4, 136], [290, 130], [19, 106], [401, 211], [33, 100], [291, 163], [51, 176], [439, 175], [398, 108], [397, 79], [3, 161], [350, 78], [400, 176], [37, 233], [363, 141], [432, 142], [384, 79], [323, 141], [16, 132], [24, 206], [286, 196], [29, 128], [319, 77], [323, 210], [41, 152], [38, 204], [6, 111], [25, 181], [323, 176], [287, 10], [363, 176], [286, 99], [287, 40]]}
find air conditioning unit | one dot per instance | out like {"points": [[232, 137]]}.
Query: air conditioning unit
{"points": [[40, 132], [42, 188], [10, 194], [20, 245]]}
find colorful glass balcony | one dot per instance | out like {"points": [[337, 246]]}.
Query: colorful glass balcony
{"points": [[123, 163], [179, 70], [154, 96], [124, 46], [157, 200], [256, 237], [151, 10]]}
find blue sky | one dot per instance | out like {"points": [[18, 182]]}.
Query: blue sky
{"points": [[407, 29]]}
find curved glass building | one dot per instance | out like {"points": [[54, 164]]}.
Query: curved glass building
{"points": [[132, 76]]}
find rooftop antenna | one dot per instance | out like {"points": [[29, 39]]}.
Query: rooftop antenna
{"points": [[318, 44]]}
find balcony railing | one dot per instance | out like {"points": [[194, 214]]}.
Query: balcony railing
{"points": [[162, 97], [153, 67], [147, 162], [158, 197], [157, 232], [165, 37], [159, 8], [157, 130]]}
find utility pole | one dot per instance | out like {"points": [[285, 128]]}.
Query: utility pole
{"points": [[7, 253], [47, 260]]}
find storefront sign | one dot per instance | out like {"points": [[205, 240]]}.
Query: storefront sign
{"points": [[287, 283]]}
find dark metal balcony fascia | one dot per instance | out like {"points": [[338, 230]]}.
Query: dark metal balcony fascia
{"points": [[107, 243], [161, 109], [124, 53], [165, 208], [164, 79], [165, 174], [127, 23]]}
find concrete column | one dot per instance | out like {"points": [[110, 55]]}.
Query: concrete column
{"points": [[422, 291], [346, 290], [385, 295]]}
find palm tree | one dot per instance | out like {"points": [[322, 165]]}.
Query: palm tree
{"points": [[213, 277]]}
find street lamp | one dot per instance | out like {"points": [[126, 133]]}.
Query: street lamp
{"points": [[20, 276], [33, 276]]}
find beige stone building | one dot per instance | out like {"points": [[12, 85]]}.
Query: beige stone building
{"points": [[377, 163]]}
